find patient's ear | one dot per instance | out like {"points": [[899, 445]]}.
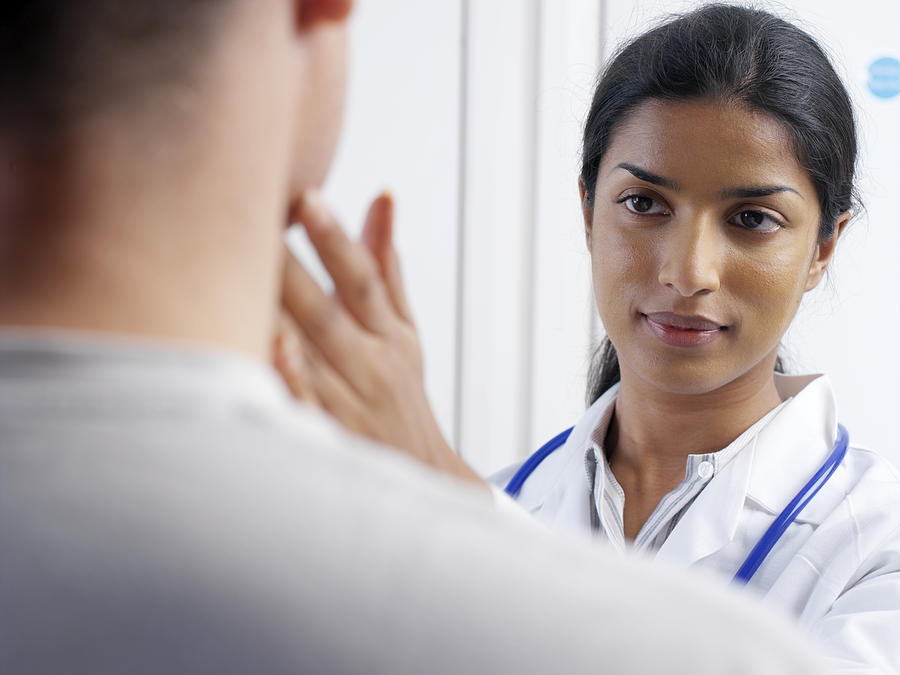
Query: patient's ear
{"points": [[311, 12], [586, 212]]}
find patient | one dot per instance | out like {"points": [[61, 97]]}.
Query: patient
{"points": [[165, 506]]}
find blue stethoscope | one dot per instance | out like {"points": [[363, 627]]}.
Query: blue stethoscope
{"points": [[772, 535]]}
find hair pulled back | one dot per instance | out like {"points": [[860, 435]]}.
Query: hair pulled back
{"points": [[738, 56]]}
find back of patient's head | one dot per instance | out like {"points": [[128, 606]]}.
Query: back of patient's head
{"points": [[161, 66], [61, 61], [146, 135], [64, 62]]}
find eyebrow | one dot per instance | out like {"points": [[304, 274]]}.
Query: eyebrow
{"points": [[646, 176], [727, 193], [761, 191]]}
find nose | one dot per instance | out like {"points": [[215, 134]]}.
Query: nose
{"points": [[691, 258]]}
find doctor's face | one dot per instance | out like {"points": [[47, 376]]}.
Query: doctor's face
{"points": [[703, 237]]}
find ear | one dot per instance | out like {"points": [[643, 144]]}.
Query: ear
{"points": [[824, 252], [311, 12], [587, 213]]}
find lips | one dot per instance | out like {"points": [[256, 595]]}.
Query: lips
{"points": [[683, 331]]}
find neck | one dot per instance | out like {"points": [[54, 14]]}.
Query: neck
{"points": [[175, 240], [654, 431], [162, 216]]}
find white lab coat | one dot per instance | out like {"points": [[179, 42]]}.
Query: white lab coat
{"points": [[836, 569]]}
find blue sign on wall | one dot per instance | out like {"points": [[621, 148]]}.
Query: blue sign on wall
{"points": [[884, 77]]}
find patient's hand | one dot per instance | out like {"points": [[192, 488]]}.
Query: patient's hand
{"points": [[356, 353]]}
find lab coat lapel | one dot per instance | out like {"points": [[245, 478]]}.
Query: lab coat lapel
{"points": [[559, 487], [699, 533], [794, 445], [554, 488], [769, 471], [569, 500]]}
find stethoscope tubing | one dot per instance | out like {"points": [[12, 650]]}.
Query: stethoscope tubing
{"points": [[514, 487], [772, 535], [780, 525]]}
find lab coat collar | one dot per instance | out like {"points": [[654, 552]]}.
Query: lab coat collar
{"points": [[774, 466], [792, 447], [776, 463], [547, 488]]}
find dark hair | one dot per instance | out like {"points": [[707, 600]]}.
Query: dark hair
{"points": [[739, 56], [63, 59]]}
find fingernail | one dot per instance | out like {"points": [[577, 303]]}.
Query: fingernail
{"points": [[387, 194]]}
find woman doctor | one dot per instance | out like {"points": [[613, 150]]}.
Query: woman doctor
{"points": [[718, 174]]}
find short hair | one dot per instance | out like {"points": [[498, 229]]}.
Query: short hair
{"points": [[61, 60]]}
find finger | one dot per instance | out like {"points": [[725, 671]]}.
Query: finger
{"points": [[393, 278], [351, 266], [378, 227], [312, 379], [377, 235], [336, 396], [326, 325], [291, 361]]}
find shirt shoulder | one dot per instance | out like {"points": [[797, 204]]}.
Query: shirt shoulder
{"points": [[282, 544]]}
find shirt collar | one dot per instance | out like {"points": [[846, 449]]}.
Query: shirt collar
{"points": [[700, 469], [694, 463], [87, 369]]}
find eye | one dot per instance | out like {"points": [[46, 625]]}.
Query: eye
{"points": [[756, 221], [642, 204]]}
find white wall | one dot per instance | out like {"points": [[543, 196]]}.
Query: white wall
{"points": [[470, 110], [403, 131], [526, 301]]}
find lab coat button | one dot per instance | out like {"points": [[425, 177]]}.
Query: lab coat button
{"points": [[705, 470]]}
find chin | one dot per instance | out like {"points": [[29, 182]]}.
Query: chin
{"points": [[309, 174], [313, 158], [685, 377]]}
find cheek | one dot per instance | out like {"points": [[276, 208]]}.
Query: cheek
{"points": [[622, 262], [770, 285], [320, 107]]}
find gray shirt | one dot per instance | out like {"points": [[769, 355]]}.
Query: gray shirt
{"points": [[171, 510]]}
